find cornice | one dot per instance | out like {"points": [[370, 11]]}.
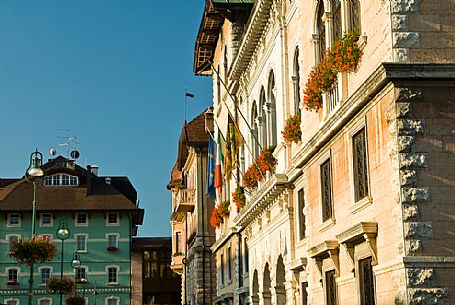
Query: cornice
{"points": [[265, 196], [227, 234], [255, 27], [357, 230], [323, 247]]}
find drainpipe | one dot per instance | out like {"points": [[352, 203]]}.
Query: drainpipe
{"points": [[239, 264], [203, 226]]}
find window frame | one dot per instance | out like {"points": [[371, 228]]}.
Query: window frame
{"points": [[301, 217], [229, 265], [10, 276], [361, 280], [117, 237], [40, 270], [117, 300], [14, 225], [45, 299], [327, 289], [76, 236], [8, 238], [108, 271], [41, 218], [324, 204], [80, 224], [111, 224], [10, 300], [82, 270], [355, 168]]}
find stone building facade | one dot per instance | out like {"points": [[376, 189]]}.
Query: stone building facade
{"points": [[192, 235], [359, 210]]}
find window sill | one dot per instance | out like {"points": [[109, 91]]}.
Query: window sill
{"points": [[361, 204], [302, 243], [112, 284], [327, 224]]}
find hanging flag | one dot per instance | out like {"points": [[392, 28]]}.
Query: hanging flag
{"points": [[228, 155], [234, 141], [218, 183], [211, 169], [189, 94]]}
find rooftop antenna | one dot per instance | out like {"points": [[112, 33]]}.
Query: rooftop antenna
{"points": [[71, 143]]}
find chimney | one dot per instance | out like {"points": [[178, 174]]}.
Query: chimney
{"points": [[89, 180], [95, 169], [208, 115]]}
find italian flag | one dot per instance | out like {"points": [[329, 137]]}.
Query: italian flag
{"points": [[218, 175]]}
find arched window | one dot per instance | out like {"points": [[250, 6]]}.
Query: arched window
{"points": [[321, 31], [254, 130], [296, 81], [263, 120], [271, 92]]}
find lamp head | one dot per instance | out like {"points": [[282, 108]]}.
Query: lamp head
{"points": [[35, 169], [63, 232], [76, 262]]}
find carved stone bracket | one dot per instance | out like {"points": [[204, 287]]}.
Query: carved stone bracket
{"points": [[361, 232], [326, 250]]}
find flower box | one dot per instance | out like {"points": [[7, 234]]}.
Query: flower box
{"points": [[239, 197], [291, 131], [343, 56], [112, 249], [218, 213], [264, 163], [12, 283]]}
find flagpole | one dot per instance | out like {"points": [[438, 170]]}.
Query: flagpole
{"points": [[184, 108], [235, 106]]}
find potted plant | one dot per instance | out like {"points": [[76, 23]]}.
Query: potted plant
{"points": [[65, 285], [291, 131], [239, 198], [216, 219], [112, 249], [343, 56], [29, 251]]}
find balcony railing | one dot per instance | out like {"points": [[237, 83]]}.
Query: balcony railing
{"points": [[185, 200]]}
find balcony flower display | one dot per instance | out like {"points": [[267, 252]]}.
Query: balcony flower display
{"points": [[239, 198], [75, 300], [343, 56], [112, 249], [65, 285], [218, 214], [292, 131], [265, 162], [29, 251]]}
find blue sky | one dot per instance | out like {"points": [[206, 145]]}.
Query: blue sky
{"points": [[114, 73]]}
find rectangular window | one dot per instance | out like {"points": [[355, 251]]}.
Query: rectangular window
{"points": [[360, 165], [65, 180], [81, 243], [304, 293], [222, 268], [366, 282], [12, 275], [44, 302], [330, 288], [112, 301], [112, 240], [326, 191], [46, 219], [56, 180], [178, 241], [14, 220], [73, 180], [81, 219], [112, 219], [112, 275], [80, 274], [45, 275], [228, 267], [48, 180], [12, 239], [147, 268], [245, 256], [301, 215]]}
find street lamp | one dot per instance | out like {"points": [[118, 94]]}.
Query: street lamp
{"points": [[34, 174], [62, 233]]}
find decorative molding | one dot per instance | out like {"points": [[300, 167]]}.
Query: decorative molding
{"points": [[361, 232], [328, 249]]}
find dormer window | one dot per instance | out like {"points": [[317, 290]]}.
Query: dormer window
{"points": [[61, 179]]}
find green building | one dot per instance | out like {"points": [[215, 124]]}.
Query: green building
{"points": [[102, 216]]}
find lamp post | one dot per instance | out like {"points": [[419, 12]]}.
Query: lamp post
{"points": [[34, 174], [62, 233]]}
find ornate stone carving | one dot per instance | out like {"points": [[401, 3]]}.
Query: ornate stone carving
{"points": [[412, 160], [417, 229], [408, 177], [410, 127], [406, 39], [404, 6]]}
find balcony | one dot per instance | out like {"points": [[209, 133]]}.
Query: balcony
{"points": [[177, 262], [185, 201]]}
